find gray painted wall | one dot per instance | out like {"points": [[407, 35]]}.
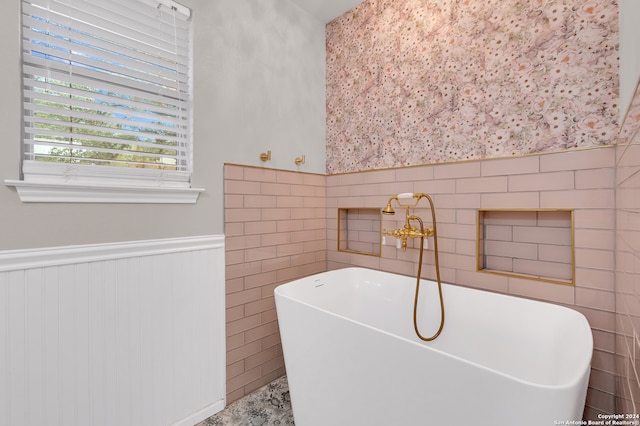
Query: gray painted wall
{"points": [[259, 84]]}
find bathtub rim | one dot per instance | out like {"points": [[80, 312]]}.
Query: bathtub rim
{"points": [[577, 379]]}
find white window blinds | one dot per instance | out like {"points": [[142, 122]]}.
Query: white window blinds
{"points": [[106, 92]]}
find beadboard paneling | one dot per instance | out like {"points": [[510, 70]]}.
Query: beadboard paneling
{"points": [[113, 334]]}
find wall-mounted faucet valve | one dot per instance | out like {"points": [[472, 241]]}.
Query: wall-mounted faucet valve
{"points": [[408, 231]]}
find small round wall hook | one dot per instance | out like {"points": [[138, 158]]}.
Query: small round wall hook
{"points": [[300, 160], [265, 156]]}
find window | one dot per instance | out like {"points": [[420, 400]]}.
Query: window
{"points": [[107, 101]]}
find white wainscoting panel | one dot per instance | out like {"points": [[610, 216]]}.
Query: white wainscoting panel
{"points": [[113, 334]]}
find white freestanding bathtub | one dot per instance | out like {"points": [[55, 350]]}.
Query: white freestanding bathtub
{"points": [[352, 357]]}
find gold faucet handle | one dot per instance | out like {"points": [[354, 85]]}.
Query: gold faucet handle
{"points": [[401, 240]]}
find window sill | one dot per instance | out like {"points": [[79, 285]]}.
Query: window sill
{"points": [[38, 192]]}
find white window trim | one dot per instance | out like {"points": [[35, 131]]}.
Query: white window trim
{"points": [[39, 192], [76, 183], [81, 184], [71, 183]]}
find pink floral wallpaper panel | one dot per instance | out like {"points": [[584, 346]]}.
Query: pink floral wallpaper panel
{"points": [[426, 81]]}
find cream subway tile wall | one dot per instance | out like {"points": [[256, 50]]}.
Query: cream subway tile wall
{"points": [[275, 229], [581, 180], [627, 257], [283, 225]]}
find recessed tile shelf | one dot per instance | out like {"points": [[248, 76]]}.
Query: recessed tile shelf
{"points": [[359, 231], [534, 244]]}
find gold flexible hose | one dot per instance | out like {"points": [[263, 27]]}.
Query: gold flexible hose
{"points": [[435, 250]]}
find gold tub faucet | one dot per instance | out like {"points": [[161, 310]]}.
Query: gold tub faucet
{"points": [[407, 200]]}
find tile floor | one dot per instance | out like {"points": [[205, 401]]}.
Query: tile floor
{"points": [[268, 406]]}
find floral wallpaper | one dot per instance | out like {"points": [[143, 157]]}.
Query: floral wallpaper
{"points": [[630, 126], [426, 81]]}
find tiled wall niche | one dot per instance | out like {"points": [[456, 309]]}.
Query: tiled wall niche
{"points": [[359, 231], [535, 244]]}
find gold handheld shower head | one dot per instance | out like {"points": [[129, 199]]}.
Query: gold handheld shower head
{"points": [[389, 210]]}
